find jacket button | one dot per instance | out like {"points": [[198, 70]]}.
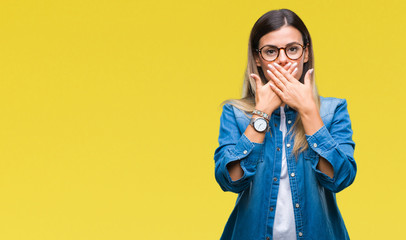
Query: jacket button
{"points": [[267, 238], [289, 122], [278, 149], [271, 209], [245, 151], [275, 125], [275, 179], [297, 205], [288, 145], [300, 234], [314, 144], [292, 174]]}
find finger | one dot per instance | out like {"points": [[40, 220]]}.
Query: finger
{"points": [[294, 71], [278, 71], [287, 66], [276, 81], [257, 79], [308, 77], [284, 74], [292, 67], [276, 90]]}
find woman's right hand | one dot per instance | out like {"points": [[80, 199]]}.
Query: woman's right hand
{"points": [[265, 98]]}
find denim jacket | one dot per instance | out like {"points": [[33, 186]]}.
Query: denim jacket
{"points": [[313, 192]]}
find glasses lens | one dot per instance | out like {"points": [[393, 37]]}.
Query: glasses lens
{"points": [[294, 51], [269, 53]]}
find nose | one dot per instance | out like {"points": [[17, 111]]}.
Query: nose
{"points": [[282, 58]]}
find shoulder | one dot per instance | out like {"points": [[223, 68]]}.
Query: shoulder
{"points": [[330, 105], [238, 113]]}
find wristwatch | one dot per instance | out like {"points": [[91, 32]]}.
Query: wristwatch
{"points": [[260, 124]]}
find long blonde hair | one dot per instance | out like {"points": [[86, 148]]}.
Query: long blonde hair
{"points": [[269, 22]]}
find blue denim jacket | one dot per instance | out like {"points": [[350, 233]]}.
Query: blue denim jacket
{"points": [[313, 192]]}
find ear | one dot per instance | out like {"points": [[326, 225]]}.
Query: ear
{"points": [[257, 60], [306, 54]]}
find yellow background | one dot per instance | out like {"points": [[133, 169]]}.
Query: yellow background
{"points": [[109, 113]]}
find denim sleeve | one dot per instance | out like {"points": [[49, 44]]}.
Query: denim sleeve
{"points": [[337, 147], [233, 146]]}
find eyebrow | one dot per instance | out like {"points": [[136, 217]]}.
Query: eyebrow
{"points": [[277, 46]]}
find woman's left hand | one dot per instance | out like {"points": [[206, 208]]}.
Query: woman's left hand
{"points": [[292, 92]]}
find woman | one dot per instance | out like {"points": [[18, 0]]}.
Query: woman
{"points": [[283, 148]]}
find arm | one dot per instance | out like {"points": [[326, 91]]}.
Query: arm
{"points": [[234, 168], [312, 122], [334, 150], [334, 162], [235, 152]]}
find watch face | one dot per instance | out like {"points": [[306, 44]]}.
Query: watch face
{"points": [[260, 124]]}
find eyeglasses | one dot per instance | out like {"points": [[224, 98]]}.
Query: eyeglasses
{"points": [[293, 51]]}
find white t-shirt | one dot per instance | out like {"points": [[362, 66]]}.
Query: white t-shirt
{"points": [[284, 225]]}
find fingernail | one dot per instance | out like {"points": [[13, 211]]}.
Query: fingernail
{"points": [[275, 64], [288, 64], [294, 65], [311, 71], [268, 71], [270, 66], [271, 85], [294, 70]]}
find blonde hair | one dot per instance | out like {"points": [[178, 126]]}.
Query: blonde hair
{"points": [[272, 21]]}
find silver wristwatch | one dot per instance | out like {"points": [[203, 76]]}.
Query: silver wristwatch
{"points": [[260, 124]]}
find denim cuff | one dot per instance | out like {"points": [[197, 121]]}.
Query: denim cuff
{"points": [[248, 152], [321, 141], [245, 146]]}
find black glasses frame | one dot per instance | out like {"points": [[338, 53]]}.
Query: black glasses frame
{"points": [[279, 50]]}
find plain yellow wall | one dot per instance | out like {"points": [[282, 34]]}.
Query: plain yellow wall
{"points": [[109, 113]]}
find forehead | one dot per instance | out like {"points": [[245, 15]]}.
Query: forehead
{"points": [[281, 37]]}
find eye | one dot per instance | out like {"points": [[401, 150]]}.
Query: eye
{"points": [[293, 49], [270, 51]]}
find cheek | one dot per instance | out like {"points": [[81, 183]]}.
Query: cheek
{"points": [[265, 67], [299, 73]]}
